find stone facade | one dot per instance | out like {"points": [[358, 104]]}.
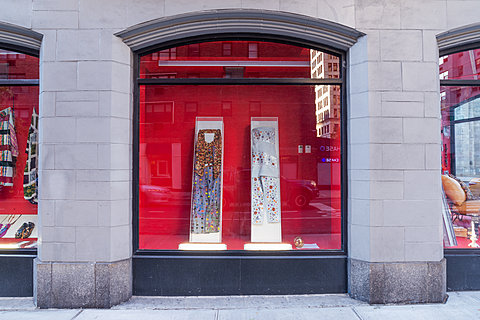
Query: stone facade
{"points": [[394, 204]]}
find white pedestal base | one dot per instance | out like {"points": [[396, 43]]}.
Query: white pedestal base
{"points": [[215, 237], [202, 246], [270, 246]]}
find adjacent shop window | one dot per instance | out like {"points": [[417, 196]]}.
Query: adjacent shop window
{"points": [[460, 110], [18, 150], [239, 166]]}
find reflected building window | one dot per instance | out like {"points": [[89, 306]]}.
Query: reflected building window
{"points": [[253, 50], [227, 49], [327, 100]]}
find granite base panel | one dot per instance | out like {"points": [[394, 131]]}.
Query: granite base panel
{"points": [[397, 282], [82, 285]]}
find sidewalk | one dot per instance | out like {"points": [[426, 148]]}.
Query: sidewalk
{"points": [[460, 305]]}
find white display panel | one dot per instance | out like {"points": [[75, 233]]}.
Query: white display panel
{"points": [[270, 227], [214, 124]]}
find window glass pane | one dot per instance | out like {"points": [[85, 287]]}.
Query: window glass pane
{"points": [[460, 65], [18, 169], [15, 65], [460, 110], [467, 152], [239, 59], [309, 154]]}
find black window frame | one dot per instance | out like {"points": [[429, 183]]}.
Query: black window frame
{"points": [[341, 81]]}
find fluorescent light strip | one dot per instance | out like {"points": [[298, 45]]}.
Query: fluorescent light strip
{"points": [[240, 63], [9, 246]]}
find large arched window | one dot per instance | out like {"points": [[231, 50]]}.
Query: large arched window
{"points": [[239, 147], [266, 91]]}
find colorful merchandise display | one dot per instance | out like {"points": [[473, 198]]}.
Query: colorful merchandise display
{"points": [[30, 179], [206, 194], [11, 220], [265, 176], [25, 230], [8, 147]]}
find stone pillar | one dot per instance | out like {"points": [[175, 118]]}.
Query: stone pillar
{"points": [[85, 231], [395, 211]]}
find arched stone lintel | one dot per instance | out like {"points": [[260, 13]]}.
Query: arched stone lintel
{"points": [[241, 23], [20, 39], [459, 39]]}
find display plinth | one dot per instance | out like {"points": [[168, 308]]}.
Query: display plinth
{"points": [[268, 246], [206, 204], [265, 179], [199, 246]]}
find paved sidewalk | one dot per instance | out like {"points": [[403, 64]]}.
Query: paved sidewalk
{"points": [[460, 305]]}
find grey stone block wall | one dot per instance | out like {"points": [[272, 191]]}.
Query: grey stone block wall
{"points": [[82, 285], [397, 282]]}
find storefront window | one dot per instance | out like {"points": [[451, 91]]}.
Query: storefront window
{"points": [[460, 110], [19, 151], [239, 166]]}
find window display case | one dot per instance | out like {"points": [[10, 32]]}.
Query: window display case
{"points": [[18, 150], [302, 117], [460, 110]]}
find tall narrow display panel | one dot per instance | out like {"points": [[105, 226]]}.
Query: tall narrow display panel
{"points": [[206, 205], [265, 181]]}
